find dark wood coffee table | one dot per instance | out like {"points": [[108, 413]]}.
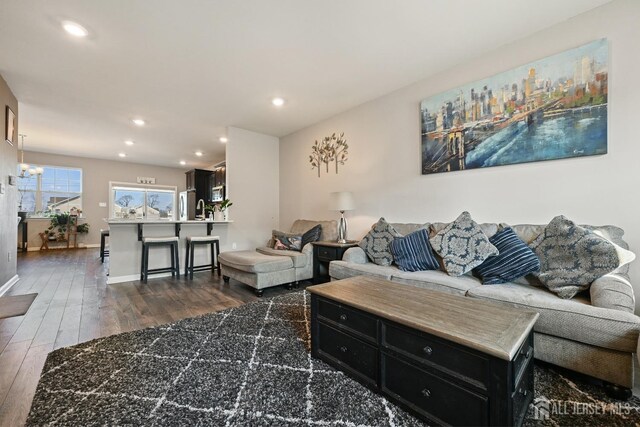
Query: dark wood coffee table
{"points": [[447, 359]]}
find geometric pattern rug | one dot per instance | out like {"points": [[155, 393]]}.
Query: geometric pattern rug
{"points": [[252, 366]]}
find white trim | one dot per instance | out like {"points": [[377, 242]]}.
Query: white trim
{"points": [[9, 284], [133, 278], [55, 248], [146, 187]]}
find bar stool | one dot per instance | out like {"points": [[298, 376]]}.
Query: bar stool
{"points": [[172, 243], [214, 242], [103, 252]]}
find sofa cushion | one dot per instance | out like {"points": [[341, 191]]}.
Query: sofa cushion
{"points": [[527, 232], [436, 280], [286, 241], [299, 259], [573, 319], [571, 257], [344, 270], [487, 228], [329, 228], [408, 228], [515, 259], [255, 262], [462, 245], [413, 252], [376, 242], [312, 235]]}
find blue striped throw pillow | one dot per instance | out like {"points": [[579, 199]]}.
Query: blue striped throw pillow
{"points": [[413, 252], [515, 259]]}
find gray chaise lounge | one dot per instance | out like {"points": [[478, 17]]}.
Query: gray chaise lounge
{"points": [[266, 267]]}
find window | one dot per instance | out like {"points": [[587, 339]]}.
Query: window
{"points": [[132, 201], [58, 189]]}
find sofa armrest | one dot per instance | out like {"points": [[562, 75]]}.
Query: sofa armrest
{"points": [[308, 250], [613, 291], [355, 255]]}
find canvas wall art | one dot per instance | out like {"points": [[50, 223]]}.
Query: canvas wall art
{"points": [[553, 108]]}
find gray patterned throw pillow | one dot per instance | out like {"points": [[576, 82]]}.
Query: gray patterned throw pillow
{"points": [[462, 245], [376, 243], [572, 257]]}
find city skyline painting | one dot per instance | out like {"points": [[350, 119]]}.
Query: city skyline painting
{"points": [[552, 108]]}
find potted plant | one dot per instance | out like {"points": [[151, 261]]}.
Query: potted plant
{"points": [[220, 212], [57, 230]]}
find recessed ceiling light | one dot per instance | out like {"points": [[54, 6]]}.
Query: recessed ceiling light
{"points": [[122, 155], [182, 162], [138, 122], [74, 29], [278, 102], [129, 142], [199, 153], [223, 139]]}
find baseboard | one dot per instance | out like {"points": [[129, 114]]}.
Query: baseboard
{"points": [[133, 278], [53, 248], [9, 284]]}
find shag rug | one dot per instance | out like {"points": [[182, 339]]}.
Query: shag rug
{"points": [[251, 366]]}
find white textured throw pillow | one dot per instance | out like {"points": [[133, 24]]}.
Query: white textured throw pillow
{"points": [[462, 245]]}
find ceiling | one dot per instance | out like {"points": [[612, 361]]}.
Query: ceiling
{"points": [[191, 68]]}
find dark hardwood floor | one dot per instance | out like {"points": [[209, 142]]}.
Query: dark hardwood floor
{"points": [[75, 304]]}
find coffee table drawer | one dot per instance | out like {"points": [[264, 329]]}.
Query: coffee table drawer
{"points": [[349, 351], [431, 350], [349, 318], [432, 396], [521, 359]]}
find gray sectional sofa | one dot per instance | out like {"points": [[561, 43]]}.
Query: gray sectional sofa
{"points": [[599, 341]]}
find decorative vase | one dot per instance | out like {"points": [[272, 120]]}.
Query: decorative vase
{"points": [[218, 216]]}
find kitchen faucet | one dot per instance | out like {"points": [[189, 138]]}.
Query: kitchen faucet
{"points": [[200, 202]]}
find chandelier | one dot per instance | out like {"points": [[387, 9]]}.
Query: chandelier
{"points": [[25, 169]]}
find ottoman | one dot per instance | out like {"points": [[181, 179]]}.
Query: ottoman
{"points": [[257, 270]]}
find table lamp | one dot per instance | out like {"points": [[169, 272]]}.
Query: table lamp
{"points": [[341, 201]]}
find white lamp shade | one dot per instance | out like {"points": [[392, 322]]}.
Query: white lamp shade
{"points": [[341, 201]]}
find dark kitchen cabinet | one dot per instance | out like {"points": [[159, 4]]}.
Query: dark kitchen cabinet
{"points": [[219, 177], [199, 180]]}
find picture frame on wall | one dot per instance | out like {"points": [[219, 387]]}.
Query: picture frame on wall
{"points": [[10, 126]]}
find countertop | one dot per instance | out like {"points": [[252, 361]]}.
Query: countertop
{"points": [[158, 221]]}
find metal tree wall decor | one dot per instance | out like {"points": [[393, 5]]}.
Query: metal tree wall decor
{"points": [[332, 148]]}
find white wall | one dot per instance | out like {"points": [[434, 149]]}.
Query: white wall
{"points": [[96, 174], [384, 136], [253, 187], [8, 199]]}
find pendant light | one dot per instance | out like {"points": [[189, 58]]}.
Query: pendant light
{"points": [[25, 169]]}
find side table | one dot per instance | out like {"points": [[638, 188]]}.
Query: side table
{"points": [[323, 253]]}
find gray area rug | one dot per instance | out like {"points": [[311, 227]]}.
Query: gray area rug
{"points": [[251, 366], [15, 305]]}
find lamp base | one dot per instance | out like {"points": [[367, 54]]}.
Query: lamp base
{"points": [[342, 229]]}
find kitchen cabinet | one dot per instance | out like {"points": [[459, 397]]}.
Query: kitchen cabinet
{"points": [[199, 180]]}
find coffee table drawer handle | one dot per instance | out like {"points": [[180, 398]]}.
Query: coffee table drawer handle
{"points": [[343, 317], [343, 349], [427, 350], [426, 393]]}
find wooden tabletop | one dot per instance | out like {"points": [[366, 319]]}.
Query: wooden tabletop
{"points": [[491, 328], [335, 244]]}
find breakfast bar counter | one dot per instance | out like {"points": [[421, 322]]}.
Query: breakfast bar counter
{"points": [[125, 244]]}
